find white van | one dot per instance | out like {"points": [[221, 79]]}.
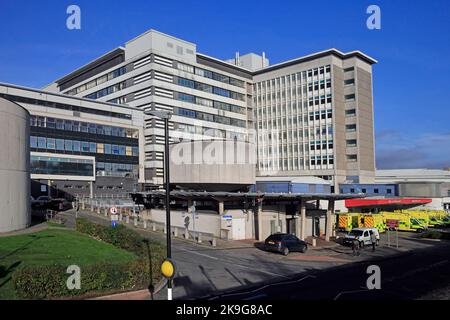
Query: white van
{"points": [[362, 235]]}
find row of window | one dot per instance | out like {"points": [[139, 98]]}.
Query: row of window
{"points": [[209, 117], [188, 128], [62, 106], [210, 89], [304, 76], [61, 166], [210, 74], [106, 91], [44, 143], [322, 160], [201, 101], [97, 81], [116, 169], [318, 145], [78, 126]]}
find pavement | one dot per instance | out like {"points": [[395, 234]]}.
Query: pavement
{"points": [[204, 271]]}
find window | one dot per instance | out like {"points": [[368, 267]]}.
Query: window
{"points": [[60, 144], [92, 147], [349, 82], [51, 123], [350, 127], [350, 113], [122, 151], [221, 92], [68, 125], [349, 69], [352, 190], [388, 191], [186, 83], [51, 144], [351, 143], [352, 157], [115, 149], [68, 145], [128, 151], [85, 146], [108, 149], [76, 146], [100, 148], [376, 190], [186, 97], [364, 190], [33, 142], [59, 124], [350, 97]]}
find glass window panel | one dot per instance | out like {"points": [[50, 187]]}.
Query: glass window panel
{"points": [[68, 145], [76, 146], [60, 144], [33, 142], [51, 144]]}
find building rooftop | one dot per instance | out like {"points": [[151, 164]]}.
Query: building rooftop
{"points": [[304, 179], [412, 175]]}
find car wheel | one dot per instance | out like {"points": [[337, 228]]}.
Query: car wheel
{"points": [[304, 249], [419, 230], [285, 251]]}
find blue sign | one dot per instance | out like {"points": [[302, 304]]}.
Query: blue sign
{"points": [[228, 217], [114, 223]]}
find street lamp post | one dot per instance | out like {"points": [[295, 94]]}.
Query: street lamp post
{"points": [[165, 115]]}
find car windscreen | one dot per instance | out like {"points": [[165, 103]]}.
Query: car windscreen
{"points": [[356, 233]]}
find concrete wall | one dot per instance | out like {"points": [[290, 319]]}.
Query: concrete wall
{"points": [[14, 167], [200, 164]]}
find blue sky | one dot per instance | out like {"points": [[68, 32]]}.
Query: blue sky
{"points": [[411, 81]]}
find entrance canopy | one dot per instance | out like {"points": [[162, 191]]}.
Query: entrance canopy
{"points": [[384, 204], [144, 197]]}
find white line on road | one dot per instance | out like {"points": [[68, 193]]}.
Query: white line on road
{"points": [[233, 263]]}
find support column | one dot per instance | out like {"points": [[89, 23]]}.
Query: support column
{"points": [[302, 220], [91, 189], [258, 220], [329, 221], [221, 207]]}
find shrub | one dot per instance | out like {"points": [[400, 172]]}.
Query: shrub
{"points": [[49, 281], [44, 282], [119, 236], [434, 234]]}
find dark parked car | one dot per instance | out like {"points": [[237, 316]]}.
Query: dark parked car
{"points": [[285, 243]]}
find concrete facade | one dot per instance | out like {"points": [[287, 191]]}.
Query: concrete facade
{"points": [[105, 137], [213, 165], [14, 167]]}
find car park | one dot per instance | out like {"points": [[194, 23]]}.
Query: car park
{"points": [[285, 243]]}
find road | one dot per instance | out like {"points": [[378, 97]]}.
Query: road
{"points": [[410, 275], [203, 271]]}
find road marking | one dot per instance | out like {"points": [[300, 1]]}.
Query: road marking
{"points": [[234, 264], [263, 287]]}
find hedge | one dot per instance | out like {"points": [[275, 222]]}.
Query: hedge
{"points": [[120, 236], [44, 282], [49, 281]]}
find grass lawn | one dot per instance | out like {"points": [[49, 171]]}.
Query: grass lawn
{"points": [[52, 246]]}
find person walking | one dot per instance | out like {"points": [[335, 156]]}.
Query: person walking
{"points": [[373, 240], [355, 247]]}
